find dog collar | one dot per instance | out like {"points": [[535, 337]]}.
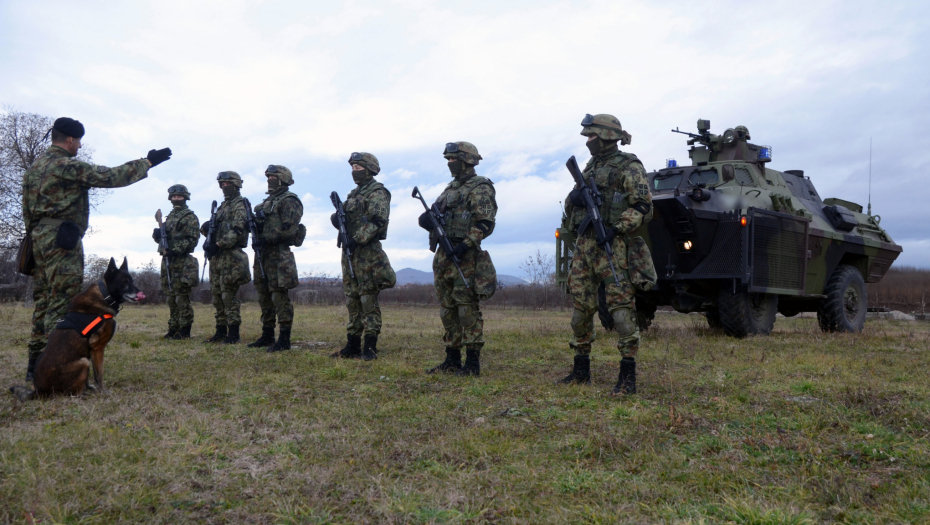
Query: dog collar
{"points": [[106, 295]]}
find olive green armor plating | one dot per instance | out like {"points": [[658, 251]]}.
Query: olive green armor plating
{"points": [[459, 219]]}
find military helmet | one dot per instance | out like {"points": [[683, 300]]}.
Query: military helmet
{"points": [[365, 160], [742, 132], [283, 174], [465, 151], [179, 189], [605, 126], [230, 176]]}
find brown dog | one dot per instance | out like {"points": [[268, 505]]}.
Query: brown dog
{"points": [[78, 340]]}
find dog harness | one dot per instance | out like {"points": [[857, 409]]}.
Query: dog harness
{"points": [[87, 324]]}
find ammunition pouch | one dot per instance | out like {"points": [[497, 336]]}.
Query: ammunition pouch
{"points": [[25, 258], [68, 236]]}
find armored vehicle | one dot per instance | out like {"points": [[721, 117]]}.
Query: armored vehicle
{"points": [[739, 241]]}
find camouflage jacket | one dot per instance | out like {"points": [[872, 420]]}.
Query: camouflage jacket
{"points": [[278, 217], [368, 210], [181, 225], [56, 186], [469, 206], [621, 179], [232, 230]]}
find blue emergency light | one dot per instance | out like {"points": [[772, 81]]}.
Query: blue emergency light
{"points": [[671, 163], [765, 153]]}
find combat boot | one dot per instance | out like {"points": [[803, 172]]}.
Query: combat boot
{"points": [[31, 369], [371, 348], [626, 383], [580, 374], [453, 362], [266, 340], [283, 342], [172, 334], [219, 336], [183, 333], [232, 336], [352, 349], [472, 365]]}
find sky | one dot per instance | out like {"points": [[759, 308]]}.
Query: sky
{"points": [[238, 85]]}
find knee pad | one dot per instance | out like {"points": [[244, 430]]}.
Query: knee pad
{"points": [[582, 322], [369, 303], [624, 323], [448, 317], [352, 304], [468, 315]]}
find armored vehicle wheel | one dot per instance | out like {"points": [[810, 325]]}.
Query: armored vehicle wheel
{"points": [[713, 319], [745, 313], [844, 307], [645, 313], [607, 320]]}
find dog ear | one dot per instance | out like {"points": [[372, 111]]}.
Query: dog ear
{"points": [[125, 266], [111, 268]]}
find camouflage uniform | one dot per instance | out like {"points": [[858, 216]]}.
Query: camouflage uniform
{"points": [[621, 179], [229, 267], [182, 229], [368, 210], [278, 219], [55, 189], [469, 207]]}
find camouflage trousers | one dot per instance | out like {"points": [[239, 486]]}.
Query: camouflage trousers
{"points": [[181, 313], [229, 269], [57, 278], [372, 272], [274, 302], [458, 305], [589, 268]]}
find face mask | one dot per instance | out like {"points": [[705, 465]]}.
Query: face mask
{"points": [[177, 204], [595, 146], [273, 184], [360, 176], [230, 191], [456, 167]]}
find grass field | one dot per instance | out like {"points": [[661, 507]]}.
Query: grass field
{"points": [[799, 427]]}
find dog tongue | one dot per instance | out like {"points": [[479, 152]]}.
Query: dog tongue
{"points": [[140, 296]]}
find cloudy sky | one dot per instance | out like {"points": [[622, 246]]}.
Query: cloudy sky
{"points": [[238, 85]]}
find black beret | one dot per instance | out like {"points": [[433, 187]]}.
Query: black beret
{"points": [[69, 127]]}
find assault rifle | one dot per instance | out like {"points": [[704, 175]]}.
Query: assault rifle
{"points": [[253, 229], [342, 241], [592, 201], [211, 238], [163, 246], [439, 226]]}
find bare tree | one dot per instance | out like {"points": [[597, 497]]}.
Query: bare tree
{"points": [[23, 137], [539, 270]]}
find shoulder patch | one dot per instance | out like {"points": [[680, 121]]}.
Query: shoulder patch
{"points": [[101, 169]]}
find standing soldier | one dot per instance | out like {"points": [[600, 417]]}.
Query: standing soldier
{"points": [[56, 211], [368, 208], [621, 179], [181, 228], [279, 227], [229, 265], [469, 207]]}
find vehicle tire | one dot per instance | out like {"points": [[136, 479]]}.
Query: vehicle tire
{"points": [[846, 302], [745, 313], [713, 319], [607, 320], [645, 314]]}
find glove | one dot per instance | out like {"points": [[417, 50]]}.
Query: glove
{"points": [[259, 243], [157, 156], [156, 234], [425, 222], [351, 244], [335, 220], [576, 197], [459, 251], [609, 234], [210, 251]]}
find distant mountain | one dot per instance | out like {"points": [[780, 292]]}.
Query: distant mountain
{"points": [[411, 276]]}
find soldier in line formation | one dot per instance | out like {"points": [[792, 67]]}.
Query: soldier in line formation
{"points": [[463, 273]]}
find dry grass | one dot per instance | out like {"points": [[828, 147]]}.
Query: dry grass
{"points": [[799, 427]]}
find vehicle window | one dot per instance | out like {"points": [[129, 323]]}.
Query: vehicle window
{"points": [[743, 177], [667, 182], [707, 177]]}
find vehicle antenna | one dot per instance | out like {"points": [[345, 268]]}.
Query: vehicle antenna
{"points": [[563, 208], [870, 176]]}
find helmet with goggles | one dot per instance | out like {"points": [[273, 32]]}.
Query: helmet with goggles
{"points": [[229, 176], [464, 151], [179, 189], [365, 160], [605, 126], [283, 174]]}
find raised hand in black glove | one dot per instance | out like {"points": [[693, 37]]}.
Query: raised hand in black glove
{"points": [[459, 251], [425, 222], [259, 243], [156, 234], [157, 156], [576, 197], [351, 244], [210, 251], [334, 218], [609, 234]]}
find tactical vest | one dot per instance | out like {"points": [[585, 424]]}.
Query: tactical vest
{"points": [[357, 209], [223, 221], [454, 205], [606, 176], [173, 223], [269, 220]]}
